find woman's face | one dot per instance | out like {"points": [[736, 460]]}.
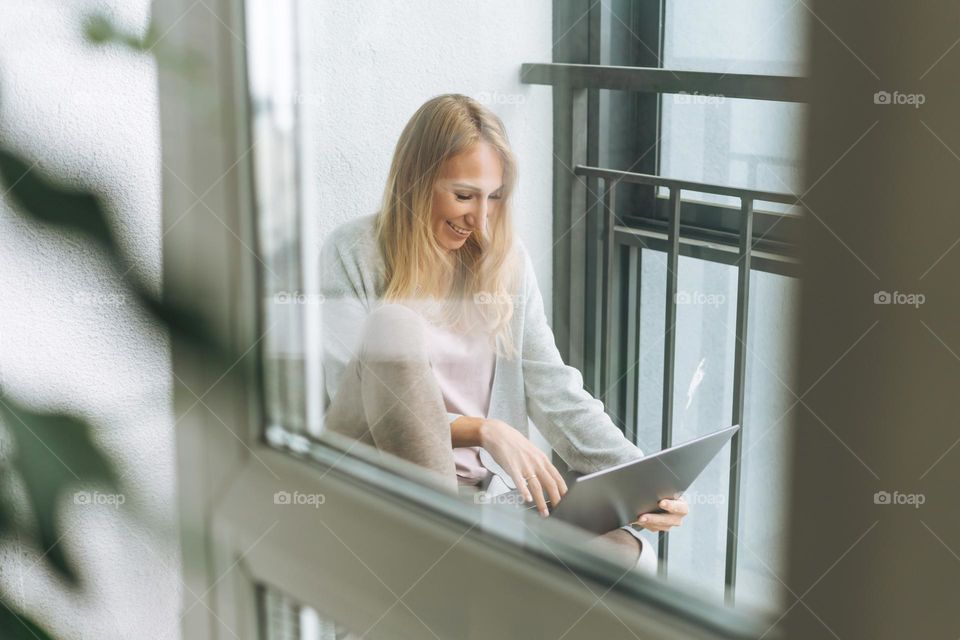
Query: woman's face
{"points": [[466, 193]]}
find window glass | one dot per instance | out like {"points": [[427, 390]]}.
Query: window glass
{"points": [[289, 308], [703, 392], [766, 37], [719, 140], [281, 617], [769, 411], [703, 403], [332, 90]]}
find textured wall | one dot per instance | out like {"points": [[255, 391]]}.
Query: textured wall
{"points": [[369, 65], [68, 339]]}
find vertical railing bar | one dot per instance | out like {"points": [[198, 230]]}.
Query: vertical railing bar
{"points": [[569, 195], [593, 309], [739, 388], [595, 328], [632, 316], [669, 342], [609, 254], [569, 223]]}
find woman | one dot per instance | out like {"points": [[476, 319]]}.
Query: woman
{"points": [[436, 346]]}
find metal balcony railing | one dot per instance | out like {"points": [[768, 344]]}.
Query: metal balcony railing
{"points": [[604, 341]]}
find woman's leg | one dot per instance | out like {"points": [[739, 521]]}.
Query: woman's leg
{"points": [[389, 397]]}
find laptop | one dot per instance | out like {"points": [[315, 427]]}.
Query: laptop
{"points": [[610, 498]]}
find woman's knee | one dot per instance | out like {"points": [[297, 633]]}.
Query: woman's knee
{"points": [[395, 333]]}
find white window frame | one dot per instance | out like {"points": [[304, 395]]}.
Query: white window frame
{"points": [[233, 535]]}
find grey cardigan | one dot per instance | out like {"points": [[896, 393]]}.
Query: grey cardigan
{"points": [[535, 384]]}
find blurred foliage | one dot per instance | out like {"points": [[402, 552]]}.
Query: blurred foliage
{"points": [[52, 455], [99, 29]]}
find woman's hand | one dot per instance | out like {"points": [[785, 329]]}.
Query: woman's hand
{"points": [[675, 511], [530, 468]]}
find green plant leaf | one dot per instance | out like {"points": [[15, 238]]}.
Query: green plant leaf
{"points": [[17, 626], [81, 212], [183, 322], [8, 522], [100, 29], [51, 203], [54, 454]]}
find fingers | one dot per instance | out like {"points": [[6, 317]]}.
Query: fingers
{"points": [[551, 480], [537, 490], [561, 484], [675, 511], [534, 475], [659, 521], [548, 482], [542, 480], [521, 484], [678, 506]]}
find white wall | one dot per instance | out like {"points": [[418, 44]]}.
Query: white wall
{"points": [[369, 65], [67, 340]]}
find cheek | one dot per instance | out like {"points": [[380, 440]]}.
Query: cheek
{"points": [[438, 208], [447, 209]]}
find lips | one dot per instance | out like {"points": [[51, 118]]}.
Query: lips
{"points": [[460, 231]]}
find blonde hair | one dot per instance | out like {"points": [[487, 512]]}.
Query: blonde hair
{"points": [[482, 273]]}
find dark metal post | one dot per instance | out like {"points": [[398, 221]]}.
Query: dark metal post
{"points": [[609, 368], [739, 384], [670, 340], [631, 317]]}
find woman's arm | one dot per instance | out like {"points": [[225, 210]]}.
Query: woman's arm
{"points": [[344, 311], [572, 420], [466, 431]]}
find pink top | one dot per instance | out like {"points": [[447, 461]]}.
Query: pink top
{"points": [[463, 365]]}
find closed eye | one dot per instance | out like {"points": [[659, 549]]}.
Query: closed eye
{"points": [[463, 197]]}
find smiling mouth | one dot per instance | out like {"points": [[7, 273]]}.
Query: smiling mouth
{"points": [[460, 231]]}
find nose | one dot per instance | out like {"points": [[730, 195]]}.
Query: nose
{"points": [[478, 216]]}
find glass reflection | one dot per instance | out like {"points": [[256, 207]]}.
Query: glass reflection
{"points": [[436, 345], [406, 287]]}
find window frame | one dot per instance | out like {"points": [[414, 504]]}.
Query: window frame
{"points": [[233, 536]]}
